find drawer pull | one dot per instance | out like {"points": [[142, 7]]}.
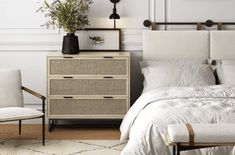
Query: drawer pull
{"points": [[68, 77], [68, 97], [108, 77], [106, 97], [68, 57], [107, 57]]}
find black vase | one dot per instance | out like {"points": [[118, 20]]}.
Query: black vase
{"points": [[70, 44]]}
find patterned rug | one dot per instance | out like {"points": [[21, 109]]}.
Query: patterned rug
{"points": [[61, 147]]}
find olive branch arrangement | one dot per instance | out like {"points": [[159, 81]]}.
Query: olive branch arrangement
{"points": [[71, 15]]}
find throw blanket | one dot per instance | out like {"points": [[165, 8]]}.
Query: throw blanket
{"points": [[149, 117]]}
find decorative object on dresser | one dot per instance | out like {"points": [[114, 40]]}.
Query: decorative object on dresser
{"points": [[91, 85], [100, 39], [71, 15], [114, 15]]}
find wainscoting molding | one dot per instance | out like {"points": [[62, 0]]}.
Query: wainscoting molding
{"points": [[30, 31], [131, 40]]}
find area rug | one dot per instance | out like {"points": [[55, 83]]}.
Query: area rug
{"points": [[61, 147]]}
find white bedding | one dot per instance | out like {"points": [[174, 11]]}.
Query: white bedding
{"points": [[154, 110]]}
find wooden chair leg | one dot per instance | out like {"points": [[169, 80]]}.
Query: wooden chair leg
{"points": [[20, 127], [43, 130]]}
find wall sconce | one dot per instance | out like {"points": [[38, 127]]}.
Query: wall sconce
{"points": [[114, 15]]}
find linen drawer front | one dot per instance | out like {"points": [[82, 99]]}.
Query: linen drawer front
{"points": [[88, 106], [107, 66], [88, 87]]}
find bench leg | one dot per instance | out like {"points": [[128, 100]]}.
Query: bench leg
{"points": [[173, 150], [178, 149]]}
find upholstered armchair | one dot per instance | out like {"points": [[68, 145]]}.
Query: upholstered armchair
{"points": [[11, 100]]}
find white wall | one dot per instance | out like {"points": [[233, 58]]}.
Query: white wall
{"points": [[198, 10], [192, 11], [25, 44]]}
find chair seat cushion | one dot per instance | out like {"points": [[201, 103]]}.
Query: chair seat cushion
{"points": [[203, 133], [18, 113]]}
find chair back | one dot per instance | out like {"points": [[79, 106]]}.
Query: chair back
{"points": [[11, 94]]}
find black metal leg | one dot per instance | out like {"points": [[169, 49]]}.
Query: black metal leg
{"points": [[43, 130], [43, 121], [51, 125], [178, 149], [20, 127], [174, 150]]}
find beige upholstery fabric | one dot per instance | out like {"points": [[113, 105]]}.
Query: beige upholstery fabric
{"points": [[222, 45], [204, 133], [18, 113], [159, 45], [10, 88], [11, 97]]}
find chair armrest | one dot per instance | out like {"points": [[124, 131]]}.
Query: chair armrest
{"points": [[37, 95], [33, 93]]}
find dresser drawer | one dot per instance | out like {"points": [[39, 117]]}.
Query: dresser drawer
{"points": [[87, 106], [88, 87], [100, 66]]}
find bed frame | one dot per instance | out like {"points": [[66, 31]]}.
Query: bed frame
{"points": [[158, 45], [200, 25]]}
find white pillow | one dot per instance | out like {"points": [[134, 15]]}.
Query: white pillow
{"points": [[226, 72], [177, 75]]}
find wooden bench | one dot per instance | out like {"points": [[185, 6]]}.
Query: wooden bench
{"points": [[185, 137]]}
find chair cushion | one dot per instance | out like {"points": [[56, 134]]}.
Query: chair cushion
{"points": [[18, 113], [203, 133], [11, 94]]}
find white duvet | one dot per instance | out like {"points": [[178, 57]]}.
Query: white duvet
{"points": [[156, 109]]}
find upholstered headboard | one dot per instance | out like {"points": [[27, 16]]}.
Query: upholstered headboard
{"points": [[188, 44], [222, 44], [176, 44]]}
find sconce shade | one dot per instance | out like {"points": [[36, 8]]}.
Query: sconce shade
{"points": [[114, 1], [114, 16]]}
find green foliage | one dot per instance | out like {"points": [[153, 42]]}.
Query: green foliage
{"points": [[68, 14]]}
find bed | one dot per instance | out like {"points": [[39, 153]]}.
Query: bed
{"points": [[155, 109]]}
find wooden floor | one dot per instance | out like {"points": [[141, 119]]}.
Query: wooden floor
{"points": [[76, 133]]}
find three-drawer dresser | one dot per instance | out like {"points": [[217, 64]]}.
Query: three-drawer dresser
{"points": [[90, 85]]}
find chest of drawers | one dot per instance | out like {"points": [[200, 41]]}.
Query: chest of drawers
{"points": [[94, 85]]}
